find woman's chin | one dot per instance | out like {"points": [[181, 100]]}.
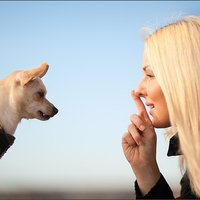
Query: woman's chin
{"points": [[159, 124]]}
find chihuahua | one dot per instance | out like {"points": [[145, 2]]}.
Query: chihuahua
{"points": [[22, 95]]}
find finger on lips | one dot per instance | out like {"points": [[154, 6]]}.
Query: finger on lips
{"points": [[140, 107]]}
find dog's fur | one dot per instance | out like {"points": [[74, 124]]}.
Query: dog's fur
{"points": [[22, 95]]}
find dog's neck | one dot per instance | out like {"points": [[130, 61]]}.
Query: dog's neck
{"points": [[9, 118], [8, 121]]}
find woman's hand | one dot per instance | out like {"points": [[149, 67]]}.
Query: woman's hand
{"points": [[139, 146]]}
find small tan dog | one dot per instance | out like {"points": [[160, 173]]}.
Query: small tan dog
{"points": [[22, 95]]}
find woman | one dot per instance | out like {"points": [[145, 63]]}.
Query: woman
{"points": [[171, 88]]}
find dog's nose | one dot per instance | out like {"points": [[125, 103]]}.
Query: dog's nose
{"points": [[55, 110]]}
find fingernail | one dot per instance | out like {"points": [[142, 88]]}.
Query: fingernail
{"points": [[142, 127]]}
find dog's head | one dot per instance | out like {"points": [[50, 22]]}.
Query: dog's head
{"points": [[29, 94]]}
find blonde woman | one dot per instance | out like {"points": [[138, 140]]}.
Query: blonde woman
{"points": [[170, 87]]}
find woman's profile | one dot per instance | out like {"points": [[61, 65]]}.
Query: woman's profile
{"points": [[170, 86]]}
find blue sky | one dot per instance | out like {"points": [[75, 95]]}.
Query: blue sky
{"points": [[94, 50]]}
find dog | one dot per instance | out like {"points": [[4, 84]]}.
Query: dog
{"points": [[22, 96]]}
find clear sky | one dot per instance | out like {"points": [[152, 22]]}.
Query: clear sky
{"points": [[94, 50]]}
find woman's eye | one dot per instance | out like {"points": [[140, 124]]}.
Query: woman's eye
{"points": [[150, 75]]}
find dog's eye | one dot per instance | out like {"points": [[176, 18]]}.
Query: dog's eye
{"points": [[41, 94]]}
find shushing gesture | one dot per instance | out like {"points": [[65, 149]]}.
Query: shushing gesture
{"points": [[139, 146]]}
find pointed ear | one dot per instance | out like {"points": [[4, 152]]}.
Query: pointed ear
{"points": [[25, 76]]}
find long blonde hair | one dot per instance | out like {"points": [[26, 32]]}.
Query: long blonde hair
{"points": [[173, 52]]}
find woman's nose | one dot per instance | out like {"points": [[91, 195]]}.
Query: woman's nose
{"points": [[140, 90]]}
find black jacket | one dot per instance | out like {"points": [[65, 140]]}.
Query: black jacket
{"points": [[6, 141], [162, 190]]}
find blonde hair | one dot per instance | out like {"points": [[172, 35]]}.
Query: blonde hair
{"points": [[173, 52]]}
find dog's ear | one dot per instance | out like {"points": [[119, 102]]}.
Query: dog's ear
{"points": [[25, 76]]}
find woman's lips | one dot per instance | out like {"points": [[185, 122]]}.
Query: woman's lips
{"points": [[151, 107]]}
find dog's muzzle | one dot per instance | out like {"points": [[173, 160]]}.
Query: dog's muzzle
{"points": [[6, 141]]}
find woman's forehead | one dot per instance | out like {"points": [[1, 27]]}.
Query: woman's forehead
{"points": [[145, 62]]}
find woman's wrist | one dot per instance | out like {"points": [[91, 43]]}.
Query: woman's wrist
{"points": [[147, 177]]}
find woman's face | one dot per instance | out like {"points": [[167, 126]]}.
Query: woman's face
{"points": [[150, 90]]}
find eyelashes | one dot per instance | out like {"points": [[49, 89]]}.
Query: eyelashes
{"points": [[150, 75]]}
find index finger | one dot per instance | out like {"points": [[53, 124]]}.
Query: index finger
{"points": [[140, 107]]}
